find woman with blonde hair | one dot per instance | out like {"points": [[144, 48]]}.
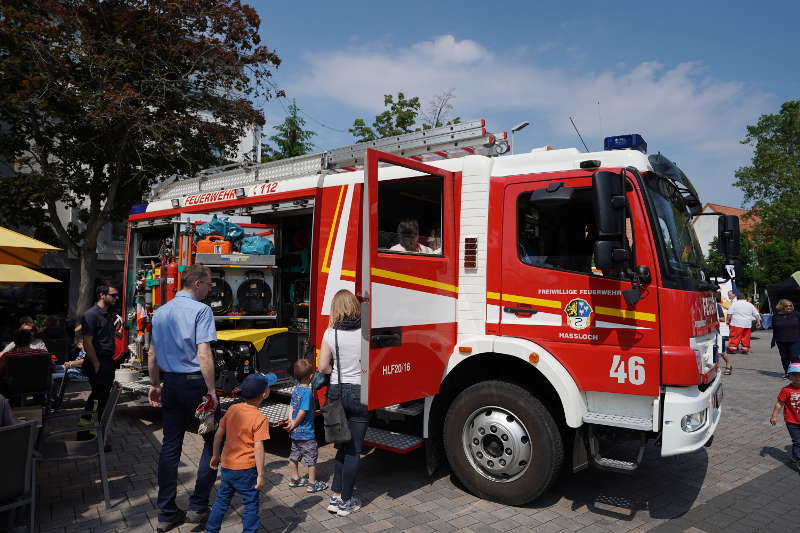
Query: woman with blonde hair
{"points": [[342, 341], [786, 333]]}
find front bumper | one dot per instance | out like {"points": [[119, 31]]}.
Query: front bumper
{"points": [[683, 401]]}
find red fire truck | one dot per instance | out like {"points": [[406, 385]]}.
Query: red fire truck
{"points": [[519, 312]]}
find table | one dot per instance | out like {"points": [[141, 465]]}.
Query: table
{"points": [[33, 412]]}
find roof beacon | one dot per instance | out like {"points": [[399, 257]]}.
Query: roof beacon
{"points": [[633, 141]]}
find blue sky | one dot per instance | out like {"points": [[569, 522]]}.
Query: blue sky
{"points": [[688, 76]]}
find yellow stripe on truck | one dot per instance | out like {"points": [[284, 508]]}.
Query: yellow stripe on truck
{"points": [[378, 272]]}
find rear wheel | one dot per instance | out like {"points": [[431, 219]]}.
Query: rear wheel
{"points": [[502, 442]]}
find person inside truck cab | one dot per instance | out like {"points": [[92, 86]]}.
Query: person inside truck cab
{"points": [[408, 235]]}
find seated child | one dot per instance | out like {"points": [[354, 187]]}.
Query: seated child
{"points": [[301, 429], [244, 430]]}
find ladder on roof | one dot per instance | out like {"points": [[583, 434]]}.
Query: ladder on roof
{"points": [[445, 142]]}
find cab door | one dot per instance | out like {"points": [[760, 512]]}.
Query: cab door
{"points": [[554, 295], [409, 278]]}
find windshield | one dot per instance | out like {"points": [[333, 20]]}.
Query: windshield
{"points": [[682, 259]]}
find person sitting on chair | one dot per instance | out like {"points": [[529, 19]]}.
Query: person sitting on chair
{"points": [[408, 233], [26, 323], [22, 346]]}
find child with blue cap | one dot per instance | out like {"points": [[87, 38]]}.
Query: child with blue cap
{"points": [[789, 401], [244, 429]]}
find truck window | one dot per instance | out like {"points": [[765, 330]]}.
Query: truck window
{"points": [[561, 237], [410, 216]]}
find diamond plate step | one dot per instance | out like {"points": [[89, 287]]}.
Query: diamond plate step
{"points": [[409, 410], [391, 441], [629, 422], [616, 464]]}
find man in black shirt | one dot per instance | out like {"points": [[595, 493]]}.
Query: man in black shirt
{"points": [[98, 330]]}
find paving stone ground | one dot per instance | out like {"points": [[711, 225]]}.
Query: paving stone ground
{"points": [[742, 483]]}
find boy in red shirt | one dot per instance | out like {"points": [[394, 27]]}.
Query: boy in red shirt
{"points": [[243, 456], [789, 400]]}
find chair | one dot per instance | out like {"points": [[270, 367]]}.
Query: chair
{"points": [[58, 398], [53, 449], [28, 374], [19, 470]]}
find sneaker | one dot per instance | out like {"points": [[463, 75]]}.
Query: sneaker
{"points": [[166, 525], [316, 486], [295, 482], [196, 517], [350, 506], [333, 504]]}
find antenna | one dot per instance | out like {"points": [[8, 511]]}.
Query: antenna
{"points": [[600, 117], [579, 133]]}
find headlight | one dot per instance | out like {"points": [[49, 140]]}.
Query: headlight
{"points": [[242, 349], [693, 422]]}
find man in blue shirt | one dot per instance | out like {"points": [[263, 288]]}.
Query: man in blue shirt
{"points": [[180, 354]]}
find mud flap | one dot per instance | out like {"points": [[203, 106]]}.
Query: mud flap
{"points": [[433, 456], [580, 452]]}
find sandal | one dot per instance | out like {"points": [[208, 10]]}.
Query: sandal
{"points": [[316, 487], [295, 482]]}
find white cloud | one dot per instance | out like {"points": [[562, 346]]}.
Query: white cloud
{"points": [[678, 102], [701, 118]]}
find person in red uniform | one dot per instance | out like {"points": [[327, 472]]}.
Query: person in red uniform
{"points": [[789, 401]]}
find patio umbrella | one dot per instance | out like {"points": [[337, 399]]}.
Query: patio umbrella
{"points": [[18, 275], [18, 249]]}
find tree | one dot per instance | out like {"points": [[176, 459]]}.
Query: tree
{"points": [[399, 118], [438, 111], [103, 98], [772, 181], [292, 138]]}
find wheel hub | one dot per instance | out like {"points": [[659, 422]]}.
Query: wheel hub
{"points": [[497, 444]]}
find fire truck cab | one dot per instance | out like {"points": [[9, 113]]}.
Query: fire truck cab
{"points": [[518, 312]]}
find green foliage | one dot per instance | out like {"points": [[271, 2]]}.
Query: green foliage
{"points": [[400, 117], [772, 181], [292, 138], [102, 99]]}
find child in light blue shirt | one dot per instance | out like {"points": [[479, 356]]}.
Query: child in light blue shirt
{"points": [[301, 429]]}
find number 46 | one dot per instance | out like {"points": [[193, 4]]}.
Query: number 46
{"points": [[634, 373]]}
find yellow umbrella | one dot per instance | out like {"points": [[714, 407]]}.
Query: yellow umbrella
{"points": [[18, 274], [18, 249]]}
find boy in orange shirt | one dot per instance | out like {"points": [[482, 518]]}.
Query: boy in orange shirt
{"points": [[243, 456]]}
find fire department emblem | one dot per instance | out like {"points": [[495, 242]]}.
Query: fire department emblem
{"points": [[579, 313]]}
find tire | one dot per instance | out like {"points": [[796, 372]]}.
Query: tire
{"points": [[497, 422]]}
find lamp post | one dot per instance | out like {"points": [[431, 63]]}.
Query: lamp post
{"points": [[514, 130]]}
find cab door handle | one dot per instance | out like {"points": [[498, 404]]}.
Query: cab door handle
{"points": [[520, 310]]}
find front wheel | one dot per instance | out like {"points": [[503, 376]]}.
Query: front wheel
{"points": [[502, 442]]}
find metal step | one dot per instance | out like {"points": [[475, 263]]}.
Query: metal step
{"points": [[391, 441], [615, 465], [629, 422], [409, 410]]}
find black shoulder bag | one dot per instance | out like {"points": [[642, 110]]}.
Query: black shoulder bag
{"points": [[337, 429]]}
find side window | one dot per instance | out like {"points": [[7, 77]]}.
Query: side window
{"points": [[410, 216], [562, 236]]}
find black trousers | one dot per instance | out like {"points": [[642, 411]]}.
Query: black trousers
{"points": [[101, 382], [790, 353]]}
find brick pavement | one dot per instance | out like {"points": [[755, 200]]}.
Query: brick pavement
{"points": [[742, 483]]}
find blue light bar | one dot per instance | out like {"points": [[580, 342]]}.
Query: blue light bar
{"points": [[137, 209], [633, 141]]}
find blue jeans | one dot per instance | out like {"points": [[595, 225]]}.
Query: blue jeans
{"points": [[242, 482], [180, 396], [345, 467], [794, 433]]}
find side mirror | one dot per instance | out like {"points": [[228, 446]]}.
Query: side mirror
{"points": [[609, 201], [728, 234], [609, 255]]}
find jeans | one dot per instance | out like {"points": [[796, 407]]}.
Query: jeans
{"points": [[180, 396], [242, 482], [345, 467], [100, 381], [790, 353], [794, 433]]}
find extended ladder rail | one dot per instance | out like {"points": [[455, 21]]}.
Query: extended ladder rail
{"points": [[454, 140]]}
